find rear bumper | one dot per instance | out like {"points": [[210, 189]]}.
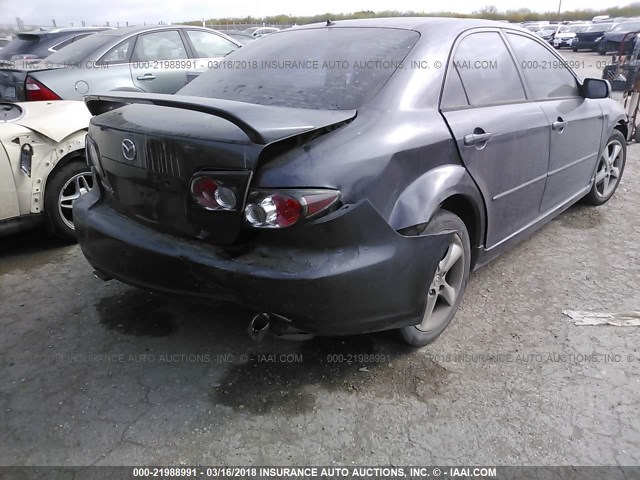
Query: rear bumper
{"points": [[562, 42], [584, 45], [349, 272]]}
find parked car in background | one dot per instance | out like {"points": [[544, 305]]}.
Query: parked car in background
{"points": [[261, 31], [144, 59], [590, 37], [42, 43], [534, 26], [351, 198], [547, 33], [4, 41], [612, 41], [240, 37], [42, 165], [566, 35]]}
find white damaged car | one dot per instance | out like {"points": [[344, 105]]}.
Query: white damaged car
{"points": [[42, 164]]}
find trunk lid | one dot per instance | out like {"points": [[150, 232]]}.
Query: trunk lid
{"points": [[174, 137]]}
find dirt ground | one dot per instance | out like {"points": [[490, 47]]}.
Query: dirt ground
{"points": [[105, 374]]}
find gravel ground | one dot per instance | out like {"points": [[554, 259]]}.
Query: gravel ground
{"points": [[102, 373]]}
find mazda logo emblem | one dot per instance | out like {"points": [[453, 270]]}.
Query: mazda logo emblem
{"points": [[129, 149]]}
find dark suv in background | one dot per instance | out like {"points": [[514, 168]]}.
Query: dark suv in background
{"points": [[42, 43]]}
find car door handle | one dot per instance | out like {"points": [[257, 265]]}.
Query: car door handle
{"points": [[147, 76], [559, 124], [477, 138]]}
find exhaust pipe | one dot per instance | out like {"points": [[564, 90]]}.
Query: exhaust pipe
{"points": [[259, 326]]}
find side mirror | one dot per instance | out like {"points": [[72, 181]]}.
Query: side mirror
{"points": [[596, 88]]}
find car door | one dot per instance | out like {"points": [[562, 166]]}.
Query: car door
{"points": [[159, 62], [502, 138], [575, 123]]}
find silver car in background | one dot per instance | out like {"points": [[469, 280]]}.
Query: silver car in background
{"points": [[140, 59]]}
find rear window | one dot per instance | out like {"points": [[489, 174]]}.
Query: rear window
{"points": [[602, 27], [627, 27], [23, 43], [79, 50], [326, 69]]}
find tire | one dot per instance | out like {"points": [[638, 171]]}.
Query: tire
{"points": [[455, 277], [63, 186], [610, 166], [574, 49]]}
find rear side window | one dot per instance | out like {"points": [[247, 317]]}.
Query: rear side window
{"points": [[338, 68], [487, 70], [208, 45], [159, 46], [118, 54], [546, 75], [454, 95]]}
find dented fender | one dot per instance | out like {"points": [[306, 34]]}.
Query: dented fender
{"points": [[422, 198], [55, 120], [53, 130]]}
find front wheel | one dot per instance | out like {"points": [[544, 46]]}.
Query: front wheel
{"points": [[64, 186], [446, 288], [611, 164]]}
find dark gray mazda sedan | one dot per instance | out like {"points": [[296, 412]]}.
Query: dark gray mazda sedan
{"points": [[346, 177]]}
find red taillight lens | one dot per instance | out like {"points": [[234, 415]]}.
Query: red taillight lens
{"points": [[283, 208], [212, 195], [36, 91], [288, 210]]}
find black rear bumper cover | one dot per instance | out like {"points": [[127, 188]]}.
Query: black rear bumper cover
{"points": [[346, 273]]}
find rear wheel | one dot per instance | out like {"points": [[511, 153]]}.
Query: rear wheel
{"points": [[66, 185], [446, 288], [611, 164]]}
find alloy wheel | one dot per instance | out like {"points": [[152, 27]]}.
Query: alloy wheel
{"points": [[609, 168], [445, 286], [73, 189]]}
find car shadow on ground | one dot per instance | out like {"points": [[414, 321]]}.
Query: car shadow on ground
{"points": [[30, 248], [276, 374]]}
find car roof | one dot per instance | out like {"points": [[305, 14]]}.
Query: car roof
{"points": [[421, 24], [61, 31], [125, 31]]}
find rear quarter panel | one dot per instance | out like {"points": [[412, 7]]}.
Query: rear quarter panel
{"points": [[404, 163], [72, 83]]}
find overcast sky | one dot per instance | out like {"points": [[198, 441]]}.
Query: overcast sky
{"points": [[152, 11]]}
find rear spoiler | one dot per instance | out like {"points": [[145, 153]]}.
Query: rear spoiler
{"points": [[263, 124]]}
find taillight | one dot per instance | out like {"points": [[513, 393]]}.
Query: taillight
{"points": [[36, 91], [283, 208], [211, 194]]}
